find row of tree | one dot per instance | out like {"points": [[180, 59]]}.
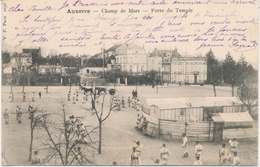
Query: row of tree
{"points": [[229, 72]]}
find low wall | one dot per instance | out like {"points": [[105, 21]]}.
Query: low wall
{"points": [[199, 131]]}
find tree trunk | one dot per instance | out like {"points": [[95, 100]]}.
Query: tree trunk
{"points": [[214, 89], [100, 137], [31, 142], [233, 85]]}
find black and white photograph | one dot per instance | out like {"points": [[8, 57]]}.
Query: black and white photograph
{"points": [[129, 83]]}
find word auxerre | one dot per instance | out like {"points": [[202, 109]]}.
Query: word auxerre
{"points": [[153, 10]]}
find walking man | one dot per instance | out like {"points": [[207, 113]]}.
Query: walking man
{"points": [[223, 154], [123, 102], [198, 150], [138, 150], [6, 117], [134, 157], [17, 111], [24, 97], [33, 97], [184, 146], [69, 96], [164, 154], [40, 94], [77, 96], [129, 101]]}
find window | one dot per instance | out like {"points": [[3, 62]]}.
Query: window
{"points": [[142, 68], [87, 71], [120, 60], [124, 60], [130, 68], [137, 69]]}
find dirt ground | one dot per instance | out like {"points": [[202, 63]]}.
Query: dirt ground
{"points": [[118, 129]]}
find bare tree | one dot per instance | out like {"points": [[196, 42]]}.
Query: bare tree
{"points": [[102, 112], [35, 121], [64, 143], [248, 95]]}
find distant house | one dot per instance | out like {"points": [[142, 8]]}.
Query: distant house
{"points": [[93, 68], [19, 62]]}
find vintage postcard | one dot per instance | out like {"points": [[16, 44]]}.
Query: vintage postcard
{"points": [[129, 82]]}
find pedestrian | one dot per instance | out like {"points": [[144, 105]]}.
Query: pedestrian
{"points": [[82, 131], [123, 102], [184, 145], [6, 117], [134, 157], [233, 147], [36, 160], [69, 96], [136, 94], [133, 92], [144, 126], [138, 150], [40, 94], [138, 120], [74, 98], [24, 97], [198, 150], [164, 154], [77, 96], [137, 105], [10, 97], [236, 160], [223, 154], [197, 161], [19, 116], [129, 101], [33, 96], [17, 111]]}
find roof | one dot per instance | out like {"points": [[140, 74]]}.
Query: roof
{"points": [[162, 53], [234, 120], [95, 63], [113, 48], [235, 117], [186, 102]]}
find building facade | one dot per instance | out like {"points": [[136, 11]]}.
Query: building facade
{"points": [[130, 57], [188, 69]]}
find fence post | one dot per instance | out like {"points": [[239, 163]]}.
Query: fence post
{"points": [[159, 127], [209, 128]]}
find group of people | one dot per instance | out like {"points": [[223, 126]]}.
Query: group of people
{"points": [[134, 103], [75, 97], [76, 127], [141, 124], [225, 154]]}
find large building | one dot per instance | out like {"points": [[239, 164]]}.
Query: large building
{"points": [[174, 68], [130, 57]]}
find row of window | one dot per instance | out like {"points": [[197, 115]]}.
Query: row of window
{"points": [[129, 60]]}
